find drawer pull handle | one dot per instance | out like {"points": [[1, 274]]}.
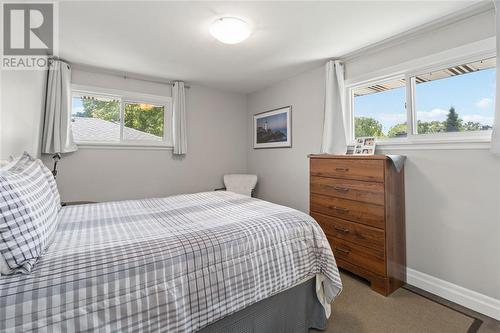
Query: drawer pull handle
{"points": [[341, 250], [342, 169], [341, 189], [342, 230], [340, 209]]}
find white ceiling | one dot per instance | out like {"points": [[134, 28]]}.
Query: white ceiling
{"points": [[171, 39]]}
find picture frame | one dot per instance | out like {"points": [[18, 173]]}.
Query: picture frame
{"points": [[365, 146], [273, 128]]}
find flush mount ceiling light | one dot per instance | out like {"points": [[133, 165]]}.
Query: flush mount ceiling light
{"points": [[230, 30]]}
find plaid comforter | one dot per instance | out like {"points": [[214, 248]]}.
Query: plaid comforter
{"points": [[173, 264]]}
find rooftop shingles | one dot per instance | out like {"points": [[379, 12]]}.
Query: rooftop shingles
{"points": [[99, 130]]}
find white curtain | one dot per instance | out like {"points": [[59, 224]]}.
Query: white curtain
{"points": [[179, 118], [495, 138], [57, 136], [334, 126]]}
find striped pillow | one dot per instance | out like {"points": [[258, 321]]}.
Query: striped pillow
{"points": [[28, 213], [52, 183]]}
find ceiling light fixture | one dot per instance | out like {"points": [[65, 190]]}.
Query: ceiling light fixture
{"points": [[230, 30]]}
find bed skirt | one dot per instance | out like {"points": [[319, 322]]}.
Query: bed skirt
{"points": [[294, 310]]}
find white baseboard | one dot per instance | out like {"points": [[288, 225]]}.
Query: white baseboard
{"points": [[486, 305]]}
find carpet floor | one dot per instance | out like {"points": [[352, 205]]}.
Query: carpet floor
{"points": [[359, 309]]}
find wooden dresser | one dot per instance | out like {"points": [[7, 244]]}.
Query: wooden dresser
{"points": [[359, 202]]}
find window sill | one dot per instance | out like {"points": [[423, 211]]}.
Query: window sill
{"points": [[435, 144], [122, 146]]}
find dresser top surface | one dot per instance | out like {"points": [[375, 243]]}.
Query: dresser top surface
{"points": [[358, 157]]}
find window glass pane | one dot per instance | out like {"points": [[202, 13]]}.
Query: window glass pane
{"points": [[456, 99], [379, 110], [95, 118], [143, 122]]}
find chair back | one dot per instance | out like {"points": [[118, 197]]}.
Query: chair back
{"points": [[242, 184]]}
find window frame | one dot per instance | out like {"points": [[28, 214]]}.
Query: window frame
{"points": [[350, 105], [132, 98], [460, 139]]}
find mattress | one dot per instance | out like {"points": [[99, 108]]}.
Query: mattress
{"points": [[173, 264]]}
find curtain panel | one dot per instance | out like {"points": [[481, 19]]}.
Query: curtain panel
{"points": [[57, 136], [179, 118], [334, 126], [495, 138]]}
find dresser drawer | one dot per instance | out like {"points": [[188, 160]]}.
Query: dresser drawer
{"points": [[364, 213], [358, 169], [351, 231], [370, 192], [369, 259]]}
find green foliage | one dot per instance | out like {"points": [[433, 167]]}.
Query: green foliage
{"points": [[145, 118], [427, 127], [472, 126], [106, 110], [365, 126], [453, 123], [397, 130]]}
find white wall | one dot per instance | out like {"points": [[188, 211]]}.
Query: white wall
{"points": [[417, 46], [452, 196], [284, 172], [216, 145], [22, 102], [93, 77], [216, 142], [452, 216]]}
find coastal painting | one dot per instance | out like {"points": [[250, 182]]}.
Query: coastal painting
{"points": [[272, 129]]}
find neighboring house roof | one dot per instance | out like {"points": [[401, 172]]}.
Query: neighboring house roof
{"points": [[94, 129]]}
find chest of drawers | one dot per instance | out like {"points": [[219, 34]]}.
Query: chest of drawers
{"points": [[359, 202]]}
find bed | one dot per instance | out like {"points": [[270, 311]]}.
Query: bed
{"points": [[184, 263]]}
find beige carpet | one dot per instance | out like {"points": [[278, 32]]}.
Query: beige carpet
{"points": [[359, 309]]}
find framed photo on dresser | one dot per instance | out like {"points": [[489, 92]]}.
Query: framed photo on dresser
{"points": [[364, 146]]}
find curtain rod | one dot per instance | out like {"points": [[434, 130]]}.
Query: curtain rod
{"points": [[140, 78], [122, 74]]}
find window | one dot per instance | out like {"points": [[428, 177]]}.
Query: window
{"points": [[95, 118], [379, 109], [449, 101], [456, 99], [144, 122], [120, 118]]}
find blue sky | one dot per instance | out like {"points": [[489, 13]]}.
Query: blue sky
{"points": [[76, 105], [277, 121], [471, 94]]}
